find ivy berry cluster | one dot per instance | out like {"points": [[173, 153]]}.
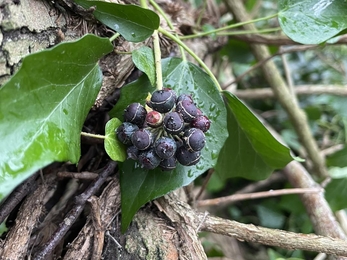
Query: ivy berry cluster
{"points": [[168, 130]]}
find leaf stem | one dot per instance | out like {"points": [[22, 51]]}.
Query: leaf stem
{"points": [[187, 49], [231, 33], [169, 23], [143, 3], [230, 26], [115, 36], [157, 60], [93, 135]]}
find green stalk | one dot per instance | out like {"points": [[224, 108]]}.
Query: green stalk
{"points": [[228, 27], [143, 3], [233, 33], [187, 49], [157, 60], [93, 135], [169, 23], [115, 36]]}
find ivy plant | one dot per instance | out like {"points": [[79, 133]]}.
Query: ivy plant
{"points": [[44, 105]]}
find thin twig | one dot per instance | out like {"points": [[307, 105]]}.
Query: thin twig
{"points": [[278, 39], [47, 249], [262, 62], [17, 196], [204, 184], [262, 93], [256, 195]]}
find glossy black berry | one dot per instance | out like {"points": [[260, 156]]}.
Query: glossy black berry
{"points": [[142, 139], [168, 164], [154, 119], [165, 147], [149, 159], [194, 139], [133, 152], [187, 109], [125, 131], [163, 100], [135, 113], [186, 157], [173, 123], [201, 122]]}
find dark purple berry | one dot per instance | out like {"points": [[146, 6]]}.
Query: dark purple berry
{"points": [[201, 122], [165, 147], [194, 139], [199, 112], [149, 159], [168, 164], [173, 123], [187, 158], [133, 152], [125, 131], [135, 113], [154, 119], [187, 109], [142, 139], [163, 100], [185, 97]]}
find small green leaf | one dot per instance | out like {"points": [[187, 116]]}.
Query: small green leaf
{"points": [[134, 23], [336, 192], [138, 186], [143, 59], [113, 147], [311, 21], [250, 151], [338, 158], [43, 107]]}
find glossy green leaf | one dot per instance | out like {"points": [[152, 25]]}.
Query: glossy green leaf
{"points": [[143, 59], [311, 21], [134, 23], [43, 107], [113, 147], [250, 151], [138, 186]]}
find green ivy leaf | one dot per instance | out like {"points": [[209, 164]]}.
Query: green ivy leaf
{"points": [[43, 107], [250, 151], [134, 23], [113, 147], [138, 186], [143, 59], [311, 21], [336, 192], [338, 158]]}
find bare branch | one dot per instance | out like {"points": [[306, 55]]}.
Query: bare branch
{"points": [[262, 93], [274, 237], [256, 195], [276, 39]]}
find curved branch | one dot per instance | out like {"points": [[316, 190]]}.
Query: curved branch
{"points": [[279, 87]]}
